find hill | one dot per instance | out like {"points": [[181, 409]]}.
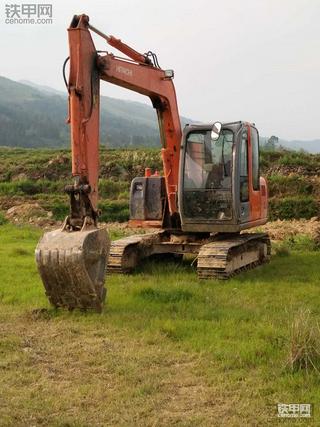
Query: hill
{"points": [[33, 116], [311, 146]]}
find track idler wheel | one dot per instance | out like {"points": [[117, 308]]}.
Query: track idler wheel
{"points": [[72, 266]]}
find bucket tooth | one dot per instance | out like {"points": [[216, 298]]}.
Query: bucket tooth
{"points": [[72, 267]]}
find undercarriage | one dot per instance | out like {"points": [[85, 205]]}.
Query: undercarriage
{"points": [[220, 256]]}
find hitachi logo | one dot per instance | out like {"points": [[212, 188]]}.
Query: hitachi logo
{"points": [[123, 70]]}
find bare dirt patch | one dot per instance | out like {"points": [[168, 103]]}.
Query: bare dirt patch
{"points": [[31, 213]]}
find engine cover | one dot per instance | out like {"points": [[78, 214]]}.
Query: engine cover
{"points": [[147, 198]]}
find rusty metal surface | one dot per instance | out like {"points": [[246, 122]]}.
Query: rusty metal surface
{"points": [[137, 223], [224, 258], [125, 254], [72, 267]]}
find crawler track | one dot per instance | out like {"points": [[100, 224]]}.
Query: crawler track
{"points": [[224, 258], [125, 254], [120, 260]]}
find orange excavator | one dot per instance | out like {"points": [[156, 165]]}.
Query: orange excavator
{"points": [[209, 193]]}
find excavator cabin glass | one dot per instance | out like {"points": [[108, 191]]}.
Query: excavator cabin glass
{"points": [[207, 180]]}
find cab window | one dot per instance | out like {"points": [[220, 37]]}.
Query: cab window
{"points": [[255, 159], [244, 180]]}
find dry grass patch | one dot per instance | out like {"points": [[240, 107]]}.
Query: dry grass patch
{"points": [[65, 372], [305, 343]]}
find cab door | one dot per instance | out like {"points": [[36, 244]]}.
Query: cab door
{"points": [[254, 174], [250, 200], [244, 202]]}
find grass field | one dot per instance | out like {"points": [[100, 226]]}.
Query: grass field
{"points": [[167, 350]]}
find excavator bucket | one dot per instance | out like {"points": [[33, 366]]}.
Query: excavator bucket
{"points": [[72, 266]]}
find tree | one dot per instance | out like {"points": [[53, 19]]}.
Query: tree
{"points": [[273, 143]]}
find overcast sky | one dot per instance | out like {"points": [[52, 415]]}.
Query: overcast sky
{"points": [[255, 60]]}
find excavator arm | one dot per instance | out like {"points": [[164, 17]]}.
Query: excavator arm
{"points": [[84, 112], [72, 261], [136, 73]]}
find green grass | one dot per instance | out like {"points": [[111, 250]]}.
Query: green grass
{"points": [[289, 158], [279, 185], [168, 349], [293, 207]]}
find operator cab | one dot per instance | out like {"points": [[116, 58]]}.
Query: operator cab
{"points": [[220, 188]]}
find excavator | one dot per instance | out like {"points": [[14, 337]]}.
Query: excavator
{"points": [[210, 192]]}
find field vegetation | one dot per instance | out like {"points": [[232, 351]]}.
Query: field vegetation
{"points": [[39, 176], [168, 349]]}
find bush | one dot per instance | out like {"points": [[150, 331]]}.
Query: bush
{"points": [[30, 187], [114, 211], [269, 157], [3, 219], [111, 189], [59, 210], [294, 158], [289, 158], [304, 353], [158, 295], [288, 185], [111, 211], [293, 208], [8, 189], [302, 242], [281, 249]]}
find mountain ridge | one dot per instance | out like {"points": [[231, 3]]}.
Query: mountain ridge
{"points": [[33, 116]]}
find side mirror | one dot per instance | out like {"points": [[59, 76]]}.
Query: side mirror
{"points": [[215, 131]]}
